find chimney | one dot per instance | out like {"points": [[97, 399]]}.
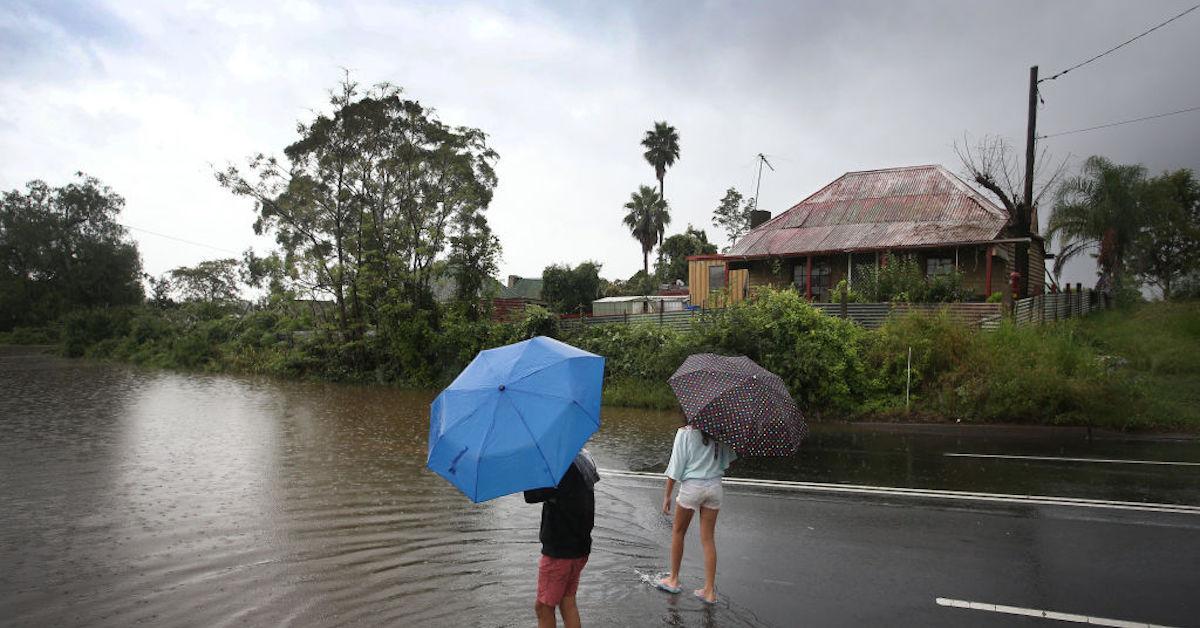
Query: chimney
{"points": [[513, 279], [758, 217]]}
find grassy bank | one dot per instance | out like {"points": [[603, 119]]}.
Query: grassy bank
{"points": [[1128, 369], [1133, 369], [1158, 347]]}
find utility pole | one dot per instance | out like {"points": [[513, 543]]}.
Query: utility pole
{"points": [[1030, 139], [1025, 217], [762, 159]]}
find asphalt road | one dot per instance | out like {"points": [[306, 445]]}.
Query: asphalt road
{"points": [[797, 558]]}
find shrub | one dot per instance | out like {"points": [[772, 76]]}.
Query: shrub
{"points": [[85, 328], [817, 356]]}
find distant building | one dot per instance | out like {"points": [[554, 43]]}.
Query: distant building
{"points": [[616, 306], [923, 211], [516, 294]]}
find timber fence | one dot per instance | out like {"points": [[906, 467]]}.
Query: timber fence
{"points": [[1057, 306]]}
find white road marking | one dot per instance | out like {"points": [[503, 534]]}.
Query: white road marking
{"points": [[1037, 500], [1043, 614], [1057, 459]]}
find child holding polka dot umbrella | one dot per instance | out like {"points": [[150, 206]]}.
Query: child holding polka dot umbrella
{"points": [[734, 407]]}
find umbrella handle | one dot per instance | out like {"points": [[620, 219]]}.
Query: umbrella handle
{"points": [[454, 463]]}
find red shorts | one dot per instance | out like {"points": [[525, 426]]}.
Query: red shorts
{"points": [[558, 578]]}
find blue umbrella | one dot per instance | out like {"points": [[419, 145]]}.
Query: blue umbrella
{"points": [[515, 418]]}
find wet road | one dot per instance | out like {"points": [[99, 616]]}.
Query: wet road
{"points": [[790, 558], [136, 497]]}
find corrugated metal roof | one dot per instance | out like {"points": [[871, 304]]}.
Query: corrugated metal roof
{"points": [[525, 288], [879, 209]]}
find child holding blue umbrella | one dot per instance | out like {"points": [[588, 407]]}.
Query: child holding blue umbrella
{"points": [[568, 514]]}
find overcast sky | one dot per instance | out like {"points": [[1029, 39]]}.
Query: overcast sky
{"points": [[149, 96]]}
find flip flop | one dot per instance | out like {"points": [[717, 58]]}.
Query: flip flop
{"points": [[662, 586], [700, 596]]}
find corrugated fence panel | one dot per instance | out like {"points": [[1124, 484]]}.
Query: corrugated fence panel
{"points": [[1029, 311]]}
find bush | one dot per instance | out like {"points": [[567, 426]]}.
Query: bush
{"points": [[900, 279], [642, 352], [30, 336], [817, 356], [85, 328]]}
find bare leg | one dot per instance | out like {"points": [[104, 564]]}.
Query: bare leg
{"points": [[683, 519], [570, 612], [545, 615], [708, 530]]}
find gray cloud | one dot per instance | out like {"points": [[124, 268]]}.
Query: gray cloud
{"points": [[146, 97]]}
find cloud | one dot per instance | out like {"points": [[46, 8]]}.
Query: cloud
{"points": [[147, 96]]}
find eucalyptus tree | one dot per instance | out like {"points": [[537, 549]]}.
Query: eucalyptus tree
{"points": [[662, 149], [365, 201], [647, 218], [1101, 209]]}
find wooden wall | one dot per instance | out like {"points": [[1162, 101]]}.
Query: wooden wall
{"points": [[700, 293]]}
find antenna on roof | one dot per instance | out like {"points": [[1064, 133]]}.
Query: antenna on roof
{"points": [[762, 159]]}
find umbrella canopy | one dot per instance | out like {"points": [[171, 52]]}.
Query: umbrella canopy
{"points": [[514, 419], [740, 404]]}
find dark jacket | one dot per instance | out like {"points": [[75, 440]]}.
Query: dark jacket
{"points": [[568, 511]]}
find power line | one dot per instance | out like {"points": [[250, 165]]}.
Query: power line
{"points": [[1111, 124], [170, 237], [1120, 45]]}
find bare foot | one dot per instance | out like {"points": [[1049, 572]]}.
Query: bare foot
{"points": [[707, 596], [669, 584]]}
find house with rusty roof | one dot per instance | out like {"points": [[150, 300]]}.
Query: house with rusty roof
{"points": [[861, 218]]}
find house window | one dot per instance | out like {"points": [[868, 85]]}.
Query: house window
{"points": [[820, 277], [821, 272], [716, 277], [935, 266]]}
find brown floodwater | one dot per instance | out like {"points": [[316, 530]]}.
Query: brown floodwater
{"points": [[146, 497]]}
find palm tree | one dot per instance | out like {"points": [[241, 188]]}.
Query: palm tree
{"points": [[1100, 208], [647, 220], [662, 149]]}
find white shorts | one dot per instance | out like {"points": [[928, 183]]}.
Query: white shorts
{"points": [[706, 493]]}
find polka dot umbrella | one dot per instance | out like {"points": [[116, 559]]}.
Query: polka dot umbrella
{"points": [[740, 404]]}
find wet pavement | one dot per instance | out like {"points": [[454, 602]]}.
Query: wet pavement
{"points": [[141, 497]]}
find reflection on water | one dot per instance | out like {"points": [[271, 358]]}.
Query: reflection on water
{"points": [[146, 497]]}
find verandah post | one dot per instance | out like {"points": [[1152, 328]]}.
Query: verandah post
{"points": [[808, 279], [987, 282]]}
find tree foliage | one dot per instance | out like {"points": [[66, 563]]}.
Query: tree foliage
{"points": [[647, 218], [571, 290], [1167, 249], [733, 214], [662, 149], [1102, 209], [210, 281], [676, 249], [62, 249], [474, 258], [368, 198]]}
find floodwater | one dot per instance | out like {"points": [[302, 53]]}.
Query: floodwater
{"points": [[142, 497]]}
